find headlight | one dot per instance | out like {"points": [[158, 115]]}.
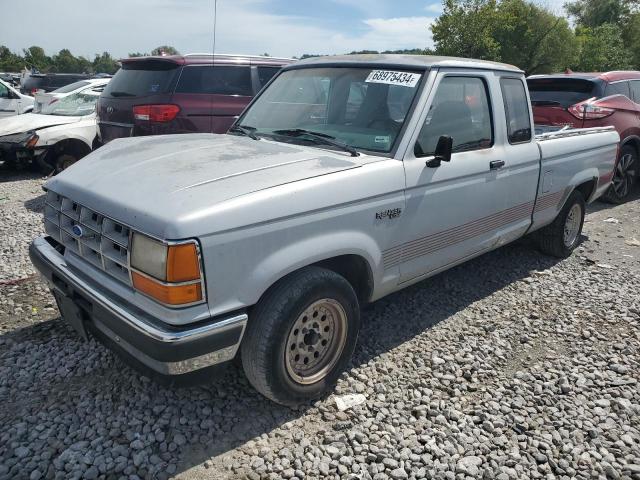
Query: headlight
{"points": [[167, 272]]}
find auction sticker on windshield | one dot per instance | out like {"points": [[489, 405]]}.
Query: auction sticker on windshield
{"points": [[405, 79]]}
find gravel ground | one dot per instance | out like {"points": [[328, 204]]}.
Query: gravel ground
{"points": [[513, 365]]}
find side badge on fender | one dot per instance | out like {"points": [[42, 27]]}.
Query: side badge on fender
{"points": [[390, 214]]}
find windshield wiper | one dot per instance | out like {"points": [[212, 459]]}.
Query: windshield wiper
{"points": [[121, 94], [317, 137], [245, 130]]}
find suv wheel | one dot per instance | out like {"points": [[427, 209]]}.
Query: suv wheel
{"points": [[624, 176], [301, 336], [561, 237]]}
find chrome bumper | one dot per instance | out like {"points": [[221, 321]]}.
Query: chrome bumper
{"points": [[160, 347]]}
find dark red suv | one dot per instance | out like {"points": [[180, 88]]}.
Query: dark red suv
{"points": [[595, 100], [181, 94]]}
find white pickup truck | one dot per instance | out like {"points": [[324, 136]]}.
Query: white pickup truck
{"points": [[346, 179]]}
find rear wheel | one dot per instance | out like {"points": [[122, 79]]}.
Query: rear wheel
{"points": [[561, 237], [624, 177], [301, 336]]}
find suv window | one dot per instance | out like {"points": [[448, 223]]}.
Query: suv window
{"points": [[266, 73], [4, 91], [516, 109], [217, 80], [141, 78], [617, 88], [560, 91], [635, 90], [460, 109]]}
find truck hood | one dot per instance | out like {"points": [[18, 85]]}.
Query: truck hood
{"points": [[32, 121], [156, 184]]}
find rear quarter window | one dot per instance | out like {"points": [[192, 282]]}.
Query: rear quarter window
{"points": [[139, 79], [617, 88], [266, 73], [516, 109], [216, 80], [560, 91]]}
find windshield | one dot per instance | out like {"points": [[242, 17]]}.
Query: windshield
{"points": [[74, 105], [563, 92], [71, 87], [360, 107], [142, 78]]}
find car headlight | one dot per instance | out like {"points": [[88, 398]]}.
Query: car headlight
{"points": [[168, 272]]}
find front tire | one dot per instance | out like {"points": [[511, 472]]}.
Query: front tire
{"points": [[624, 177], [301, 336], [560, 238]]}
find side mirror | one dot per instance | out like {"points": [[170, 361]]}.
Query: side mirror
{"points": [[444, 148]]}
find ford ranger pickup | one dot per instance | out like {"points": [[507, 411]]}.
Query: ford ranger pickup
{"points": [[346, 179]]}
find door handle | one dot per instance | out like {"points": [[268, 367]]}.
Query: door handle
{"points": [[496, 164]]}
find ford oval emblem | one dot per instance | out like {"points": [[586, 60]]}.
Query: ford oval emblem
{"points": [[77, 230]]}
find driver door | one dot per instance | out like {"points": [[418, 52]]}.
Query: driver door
{"points": [[454, 210], [8, 104]]}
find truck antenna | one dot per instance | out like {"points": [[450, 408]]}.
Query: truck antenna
{"points": [[213, 56]]}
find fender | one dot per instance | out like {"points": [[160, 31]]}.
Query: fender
{"points": [[300, 254], [587, 175]]}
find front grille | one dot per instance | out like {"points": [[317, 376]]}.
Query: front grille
{"points": [[104, 242]]}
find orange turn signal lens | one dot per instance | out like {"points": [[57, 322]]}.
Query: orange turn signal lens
{"points": [[32, 141], [167, 294], [182, 263]]}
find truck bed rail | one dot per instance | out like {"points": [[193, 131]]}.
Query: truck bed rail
{"points": [[565, 132]]}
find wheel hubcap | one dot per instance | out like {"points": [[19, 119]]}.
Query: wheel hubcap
{"points": [[624, 175], [572, 225], [315, 341]]}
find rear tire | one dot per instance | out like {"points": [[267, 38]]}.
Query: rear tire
{"points": [[64, 161], [624, 177], [301, 336], [560, 238]]}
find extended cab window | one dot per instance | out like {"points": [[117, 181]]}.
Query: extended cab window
{"points": [[516, 109], [4, 91], [216, 80], [460, 109]]}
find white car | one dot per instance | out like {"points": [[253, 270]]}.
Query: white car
{"points": [[44, 99], [59, 135], [12, 102]]}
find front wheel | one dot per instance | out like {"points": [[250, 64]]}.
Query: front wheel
{"points": [[624, 176], [301, 336], [561, 237]]}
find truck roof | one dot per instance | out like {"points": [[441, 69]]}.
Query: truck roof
{"points": [[207, 58], [413, 62]]}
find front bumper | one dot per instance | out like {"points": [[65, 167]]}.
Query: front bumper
{"points": [[166, 350]]}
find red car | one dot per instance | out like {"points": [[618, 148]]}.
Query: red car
{"points": [[181, 94], [595, 100]]}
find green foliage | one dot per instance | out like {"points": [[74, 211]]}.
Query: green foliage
{"points": [[165, 49], [602, 49], [104, 63], [518, 32], [593, 13], [466, 28], [9, 61]]}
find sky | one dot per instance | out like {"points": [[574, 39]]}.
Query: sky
{"points": [[279, 27]]}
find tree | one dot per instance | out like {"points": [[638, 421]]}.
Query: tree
{"points": [[164, 50], [466, 28], [593, 13], [533, 38], [104, 63], [9, 61], [35, 57], [512, 31], [602, 49], [138, 54]]}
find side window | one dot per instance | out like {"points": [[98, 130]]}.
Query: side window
{"points": [[516, 109], [217, 80], [265, 74], [635, 90], [4, 91], [617, 88], [461, 110]]}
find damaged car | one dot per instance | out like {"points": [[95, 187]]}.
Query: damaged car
{"points": [[59, 135]]}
